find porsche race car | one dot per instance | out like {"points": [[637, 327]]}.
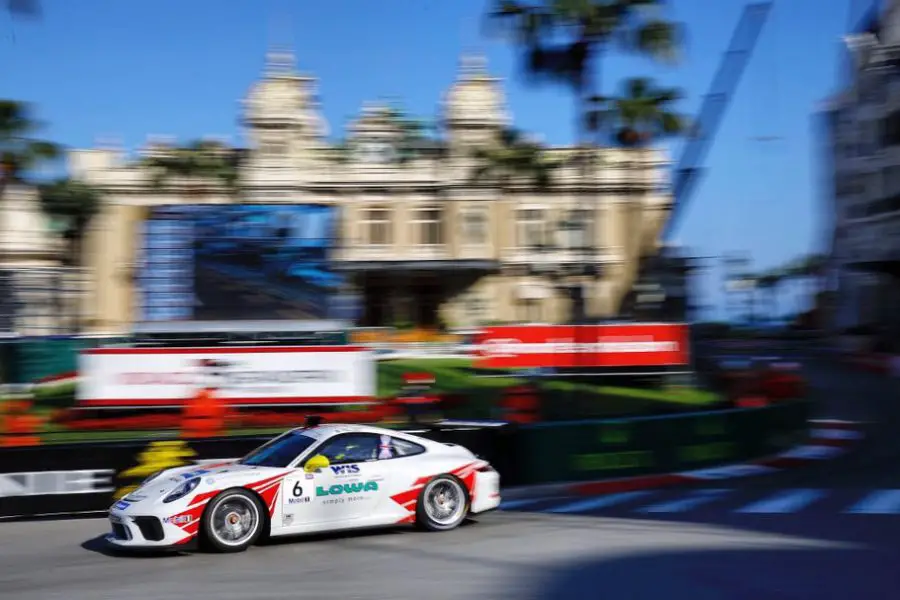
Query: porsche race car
{"points": [[307, 480]]}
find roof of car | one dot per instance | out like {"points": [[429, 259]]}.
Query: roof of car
{"points": [[329, 429]]}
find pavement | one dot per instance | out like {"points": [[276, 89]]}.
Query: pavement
{"points": [[827, 531]]}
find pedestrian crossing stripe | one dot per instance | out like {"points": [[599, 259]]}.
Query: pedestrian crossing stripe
{"points": [[880, 502], [787, 501], [783, 502]]}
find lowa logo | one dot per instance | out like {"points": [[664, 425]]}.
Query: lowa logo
{"points": [[347, 488]]}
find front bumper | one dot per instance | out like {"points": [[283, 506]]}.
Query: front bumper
{"points": [[145, 531]]}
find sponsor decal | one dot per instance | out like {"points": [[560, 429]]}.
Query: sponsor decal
{"points": [[298, 497], [345, 469], [179, 519], [121, 505], [309, 476], [287, 519], [347, 488], [40, 483]]}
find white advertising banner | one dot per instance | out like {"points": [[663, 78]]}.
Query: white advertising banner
{"points": [[269, 375]]}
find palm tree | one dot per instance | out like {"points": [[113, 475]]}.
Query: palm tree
{"points": [[19, 152], [588, 30], [641, 115], [200, 164], [71, 205], [513, 156]]}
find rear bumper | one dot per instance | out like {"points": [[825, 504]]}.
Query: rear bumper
{"points": [[486, 494]]}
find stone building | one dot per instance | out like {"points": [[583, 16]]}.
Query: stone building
{"points": [[861, 162], [421, 241]]}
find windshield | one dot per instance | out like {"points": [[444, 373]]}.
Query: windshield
{"points": [[279, 452]]}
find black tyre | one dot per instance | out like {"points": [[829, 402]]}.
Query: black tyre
{"points": [[233, 521], [443, 504]]}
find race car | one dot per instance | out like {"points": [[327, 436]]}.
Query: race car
{"points": [[325, 477]]}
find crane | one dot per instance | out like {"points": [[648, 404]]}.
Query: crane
{"points": [[689, 167]]}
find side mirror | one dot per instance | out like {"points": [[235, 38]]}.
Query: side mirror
{"points": [[316, 463]]}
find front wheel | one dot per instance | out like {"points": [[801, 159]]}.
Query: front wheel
{"points": [[233, 521], [443, 504]]}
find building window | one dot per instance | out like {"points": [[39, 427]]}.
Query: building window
{"points": [[476, 308], [376, 226], [530, 311], [530, 228], [429, 226], [474, 227], [578, 229]]}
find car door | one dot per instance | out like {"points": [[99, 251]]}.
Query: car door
{"points": [[353, 486]]}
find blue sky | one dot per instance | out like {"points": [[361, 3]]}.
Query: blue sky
{"points": [[132, 68]]}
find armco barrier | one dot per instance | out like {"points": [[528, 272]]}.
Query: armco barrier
{"points": [[68, 478], [591, 450], [88, 477]]}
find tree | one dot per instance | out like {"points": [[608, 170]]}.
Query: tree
{"points": [[199, 164], [19, 152], [71, 205], [513, 156], [562, 41], [641, 115]]}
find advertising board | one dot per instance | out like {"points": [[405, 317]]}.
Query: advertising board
{"points": [[241, 376], [582, 346], [241, 261]]}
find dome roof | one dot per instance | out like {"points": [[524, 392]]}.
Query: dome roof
{"points": [[476, 97], [284, 96]]}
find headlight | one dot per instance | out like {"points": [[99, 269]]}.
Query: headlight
{"points": [[182, 490]]}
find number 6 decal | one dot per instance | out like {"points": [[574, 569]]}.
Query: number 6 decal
{"points": [[298, 491]]}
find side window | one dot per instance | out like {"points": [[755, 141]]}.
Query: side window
{"points": [[401, 448], [350, 448]]}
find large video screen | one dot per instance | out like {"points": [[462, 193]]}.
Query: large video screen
{"points": [[241, 261]]}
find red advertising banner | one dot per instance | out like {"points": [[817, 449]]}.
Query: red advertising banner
{"points": [[582, 346]]}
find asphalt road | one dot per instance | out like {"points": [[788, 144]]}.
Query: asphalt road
{"points": [[813, 547], [505, 555]]}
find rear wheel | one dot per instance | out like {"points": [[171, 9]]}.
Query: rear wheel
{"points": [[443, 504], [233, 521]]}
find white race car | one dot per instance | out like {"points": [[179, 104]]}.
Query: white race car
{"points": [[310, 479]]}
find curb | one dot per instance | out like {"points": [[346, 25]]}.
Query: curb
{"points": [[829, 438]]}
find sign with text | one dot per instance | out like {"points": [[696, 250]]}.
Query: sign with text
{"points": [[583, 346], [259, 375]]}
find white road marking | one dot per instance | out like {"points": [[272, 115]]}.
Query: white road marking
{"points": [[729, 472], [597, 502], [507, 504], [836, 434], [787, 501], [684, 504], [813, 452], [879, 502]]}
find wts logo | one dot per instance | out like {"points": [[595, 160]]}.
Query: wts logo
{"points": [[345, 469]]}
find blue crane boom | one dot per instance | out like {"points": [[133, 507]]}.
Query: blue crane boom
{"points": [[703, 130]]}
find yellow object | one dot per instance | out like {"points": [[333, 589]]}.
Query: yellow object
{"points": [[316, 463]]}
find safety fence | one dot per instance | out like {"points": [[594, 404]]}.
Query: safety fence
{"points": [[87, 477]]}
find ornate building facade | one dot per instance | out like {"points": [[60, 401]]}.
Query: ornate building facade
{"points": [[422, 242]]}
